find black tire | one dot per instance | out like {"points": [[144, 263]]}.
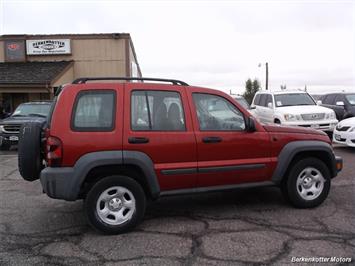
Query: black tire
{"points": [[291, 190], [30, 161], [284, 191], [277, 122], [108, 182], [330, 134], [5, 146]]}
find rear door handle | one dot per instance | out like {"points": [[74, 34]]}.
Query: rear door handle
{"points": [[138, 140], [212, 139]]}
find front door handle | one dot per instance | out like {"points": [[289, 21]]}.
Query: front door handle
{"points": [[138, 140], [211, 139]]}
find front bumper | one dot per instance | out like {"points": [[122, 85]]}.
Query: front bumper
{"points": [[9, 138], [324, 125], [344, 137]]}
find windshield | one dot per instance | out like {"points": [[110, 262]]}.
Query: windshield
{"points": [[351, 98], [243, 102], [293, 99], [32, 110]]}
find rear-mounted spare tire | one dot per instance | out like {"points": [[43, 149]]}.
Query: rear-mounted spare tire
{"points": [[30, 159]]}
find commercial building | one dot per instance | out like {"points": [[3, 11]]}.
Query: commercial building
{"points": [[33, 66]]}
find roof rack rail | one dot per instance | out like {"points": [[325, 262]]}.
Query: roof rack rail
{"points": [[173, 81]]}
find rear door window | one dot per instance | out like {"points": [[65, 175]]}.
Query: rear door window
{"points": [[329, 99], [94, 111], [340, 98], [268, 99]]}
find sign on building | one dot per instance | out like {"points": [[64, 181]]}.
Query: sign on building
{"points": [[48, 47], [15, 51]]}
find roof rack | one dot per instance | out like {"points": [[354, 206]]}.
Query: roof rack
{"points": [[173, 81]]}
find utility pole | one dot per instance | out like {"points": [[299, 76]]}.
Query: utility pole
{"points": [[267, 75]]}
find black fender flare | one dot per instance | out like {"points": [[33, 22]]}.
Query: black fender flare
{"points": [[94, 159], [144, 162], [290, 150]]}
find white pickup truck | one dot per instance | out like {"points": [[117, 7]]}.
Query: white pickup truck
{"points": [[292, 108]]}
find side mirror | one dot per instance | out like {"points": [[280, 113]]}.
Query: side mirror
{"points": [[270, 105], [319, 102], [340, 103], [250, 124]]}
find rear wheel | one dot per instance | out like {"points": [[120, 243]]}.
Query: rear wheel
{"points": [[115, 204], [307, 184]]}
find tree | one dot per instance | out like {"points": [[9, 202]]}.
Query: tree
{"points": [[251, 87]]}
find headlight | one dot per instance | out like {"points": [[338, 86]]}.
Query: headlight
{"points": [[330, 115], [291, 117], [1, 128], [352, 129]]}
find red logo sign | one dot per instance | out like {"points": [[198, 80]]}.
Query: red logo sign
{"points": [[13, 46]]}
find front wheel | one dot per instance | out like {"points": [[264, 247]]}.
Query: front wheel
{"points": [[308, 183], [115, 204]]}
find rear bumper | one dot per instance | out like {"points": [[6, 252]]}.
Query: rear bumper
{"points": [[56, 183]]}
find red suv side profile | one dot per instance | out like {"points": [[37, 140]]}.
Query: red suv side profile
{"points": [[118, 144]]}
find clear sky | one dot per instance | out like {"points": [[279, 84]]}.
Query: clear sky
{"points": [[216, 44]]}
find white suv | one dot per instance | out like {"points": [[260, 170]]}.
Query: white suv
{"points": [[292, 108]]}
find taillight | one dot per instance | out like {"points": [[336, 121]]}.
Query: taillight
{"points": [[54, 151]]}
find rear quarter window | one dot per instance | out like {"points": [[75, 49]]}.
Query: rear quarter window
{"points": [[94, 110]]}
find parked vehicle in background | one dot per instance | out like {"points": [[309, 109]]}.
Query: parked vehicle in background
{"points": [[344, 132], [343, 104], [292, 108], [118, 144], [10, 127], [241, 100], [316, 97], [3, 114]]}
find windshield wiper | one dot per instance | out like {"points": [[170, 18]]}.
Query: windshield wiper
{"points": [[17, 115]]}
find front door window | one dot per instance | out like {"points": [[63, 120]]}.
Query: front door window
{"points": [[215, 113]]}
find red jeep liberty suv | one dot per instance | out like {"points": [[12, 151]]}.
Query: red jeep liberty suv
{"points": [[118, 144]]}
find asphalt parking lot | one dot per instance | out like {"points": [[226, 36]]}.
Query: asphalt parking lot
{"points": [[240, 227]]}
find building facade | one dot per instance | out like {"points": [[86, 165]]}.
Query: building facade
{"points": [[33, 66]]}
